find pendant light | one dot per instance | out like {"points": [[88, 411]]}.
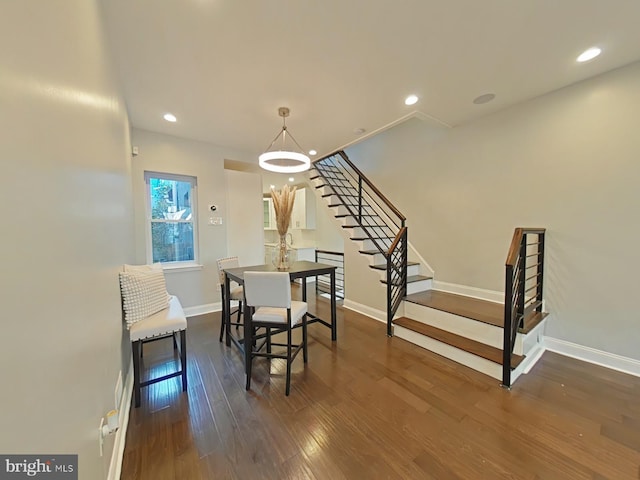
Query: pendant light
{"points": [[278, 158]]}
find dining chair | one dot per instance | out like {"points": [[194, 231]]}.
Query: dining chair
{"points": [[268, 295], [236, 293]]}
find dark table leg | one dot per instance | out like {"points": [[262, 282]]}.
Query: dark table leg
{"points": [[304, 288], [334, 330], [247, 344]]}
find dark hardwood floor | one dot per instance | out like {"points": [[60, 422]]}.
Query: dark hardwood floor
{"points": [[372, 407]]}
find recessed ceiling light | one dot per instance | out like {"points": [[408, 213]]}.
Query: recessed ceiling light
{"points": [[170, 117], [291, 179], [589, 54], [486, 98], [411, 100], [312, 152], [359, 131]]}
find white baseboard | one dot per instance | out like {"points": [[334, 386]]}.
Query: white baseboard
{"points": [[365, 310], [481, 293], [115, 466], [202, 309], [591, 355]]}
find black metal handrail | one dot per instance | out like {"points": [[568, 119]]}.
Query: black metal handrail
{"points": [[380, 221], [323, 283], [523, 288]]}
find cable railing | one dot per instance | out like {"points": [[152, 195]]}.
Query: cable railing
{"points": [[323, 282], [379, 221], [523, 288]]}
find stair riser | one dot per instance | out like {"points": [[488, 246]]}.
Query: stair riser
{"points": [[534, 338], [460, 356], [316, 182], [373, 231], [333, 199], [411, 270], [340, 210], [348, 221], [465, 327], [369, 245], [421, 286], [326, 189]]}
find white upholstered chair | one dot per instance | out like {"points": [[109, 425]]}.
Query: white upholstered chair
{"points": [[151, 314], [268, 294], [237, 293]]}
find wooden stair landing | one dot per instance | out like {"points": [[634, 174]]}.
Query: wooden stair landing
{"points": [[473, 308], [477, 348], [469, 307]]}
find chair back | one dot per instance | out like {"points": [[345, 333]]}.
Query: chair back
{"points": [[267, 289], [229, 262]]}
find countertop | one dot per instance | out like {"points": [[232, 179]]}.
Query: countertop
{"points": [[294, 246]]}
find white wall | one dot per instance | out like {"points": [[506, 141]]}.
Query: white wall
{"points": [[67, 229], [245, 226], [164, 153], [567, 161]]}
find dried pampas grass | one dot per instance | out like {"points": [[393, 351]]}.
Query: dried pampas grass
{"points": [[283, 205]]}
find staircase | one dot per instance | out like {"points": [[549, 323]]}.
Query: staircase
{"points": [[469, 331], [498, 339], [374, 223]]}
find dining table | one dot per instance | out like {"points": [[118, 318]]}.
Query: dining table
{"points": [[298, 270]]}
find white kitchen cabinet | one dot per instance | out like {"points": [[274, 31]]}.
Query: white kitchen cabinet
{"points": [[268, 214], [303, 215]]}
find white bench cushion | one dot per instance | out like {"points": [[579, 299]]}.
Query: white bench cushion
{"points": [[166, 321]]}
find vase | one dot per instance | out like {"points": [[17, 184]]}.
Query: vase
{"points": [[283, 255]]}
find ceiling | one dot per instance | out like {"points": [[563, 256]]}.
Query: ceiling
{"points": [[223, 67]]}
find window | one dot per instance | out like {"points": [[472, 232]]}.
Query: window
{"points": [[171, 212]]}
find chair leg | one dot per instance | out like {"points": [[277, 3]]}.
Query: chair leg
{"points": [[239, 314], [305, 354], [183, 357], [223, 316], [288, 360], [136, 371], [248, 343]]}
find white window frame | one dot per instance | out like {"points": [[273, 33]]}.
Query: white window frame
{"points": [[148, 175]]}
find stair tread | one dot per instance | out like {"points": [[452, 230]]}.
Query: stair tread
{"points": [[364, 226], [469, 307], [413, 279], [383, 266], [532, 321], [359, 239], [468, 345]]}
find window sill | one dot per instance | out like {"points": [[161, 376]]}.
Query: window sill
{"points": [[184, 267]]}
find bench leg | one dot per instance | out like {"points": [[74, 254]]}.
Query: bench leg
{"points": [[136, 371], [183, 358]]}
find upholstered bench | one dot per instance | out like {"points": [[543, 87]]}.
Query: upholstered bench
{"points": [[162, 324], [151, 314]]}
